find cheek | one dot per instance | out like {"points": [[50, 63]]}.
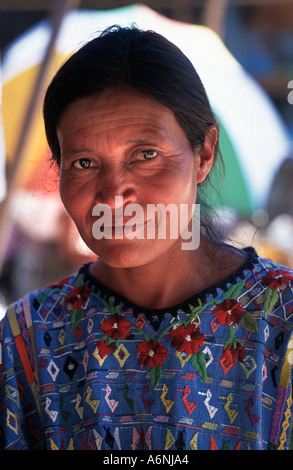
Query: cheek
{"points": [[66, 193], [74, 198], [183, 187], [176, 183]]}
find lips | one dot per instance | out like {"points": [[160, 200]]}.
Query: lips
{"points": [[129, 228], [126, 223]]}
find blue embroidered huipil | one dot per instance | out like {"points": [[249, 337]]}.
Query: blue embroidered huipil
{"points": [[82, 368]]}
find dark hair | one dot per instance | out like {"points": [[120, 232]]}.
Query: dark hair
{"points": [[140, 60]]}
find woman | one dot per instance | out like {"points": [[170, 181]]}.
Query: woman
{"points": [[151, 346]]}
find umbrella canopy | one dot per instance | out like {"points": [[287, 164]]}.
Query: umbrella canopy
{"points": [[253, 140]]}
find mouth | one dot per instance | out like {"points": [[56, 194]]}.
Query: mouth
{"points": [[128, 229], [127, 223]]}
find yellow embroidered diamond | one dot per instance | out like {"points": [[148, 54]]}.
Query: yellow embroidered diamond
{"points": [[121, 354], [98, 357], [61, 337]]}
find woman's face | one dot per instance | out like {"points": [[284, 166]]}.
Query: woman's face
{"points": [[122, 143]]}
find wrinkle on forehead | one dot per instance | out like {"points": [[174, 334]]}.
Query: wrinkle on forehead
{"points": [[117, 118]]}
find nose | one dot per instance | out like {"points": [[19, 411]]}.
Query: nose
{"points": [[116, 188]]}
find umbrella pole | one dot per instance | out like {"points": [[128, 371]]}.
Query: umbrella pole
{"points": [[214, 13], [59, 10]]}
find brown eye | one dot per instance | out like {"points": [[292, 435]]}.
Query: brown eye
{"points": [[149, 154], [82, 163]]}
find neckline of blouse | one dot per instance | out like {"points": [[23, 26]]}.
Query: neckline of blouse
{"points": [[105, 292]]}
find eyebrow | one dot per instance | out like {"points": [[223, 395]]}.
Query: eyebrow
{"points": [[73, 151], [144, 141]]}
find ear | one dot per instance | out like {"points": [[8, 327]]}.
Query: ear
{"points": [[205, 158]]}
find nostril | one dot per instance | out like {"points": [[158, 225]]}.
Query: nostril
{"points": [[129, 195], [115, 198]]}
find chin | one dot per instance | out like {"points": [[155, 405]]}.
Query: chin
{"points": [[130, 253], [121, 254]]}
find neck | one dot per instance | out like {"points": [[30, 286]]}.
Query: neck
{"points": [[170, 280]]}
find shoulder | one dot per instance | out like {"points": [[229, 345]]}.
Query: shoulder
{"points": [[44, 303], [268, 295], [272, 270], [273, 277], [272, 285], [263, 293], [266, 272], [52, 293]]}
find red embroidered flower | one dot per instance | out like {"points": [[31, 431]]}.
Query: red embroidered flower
{"points": [[116, 327], [228, 312], [187, 339], [275, 279], [231, 354], [78, 296], [105, 349], [151, 353]]}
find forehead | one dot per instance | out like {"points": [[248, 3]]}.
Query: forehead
{"points": [[118, 111]]}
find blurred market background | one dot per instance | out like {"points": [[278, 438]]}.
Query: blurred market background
{"points": [[243, 51]]}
